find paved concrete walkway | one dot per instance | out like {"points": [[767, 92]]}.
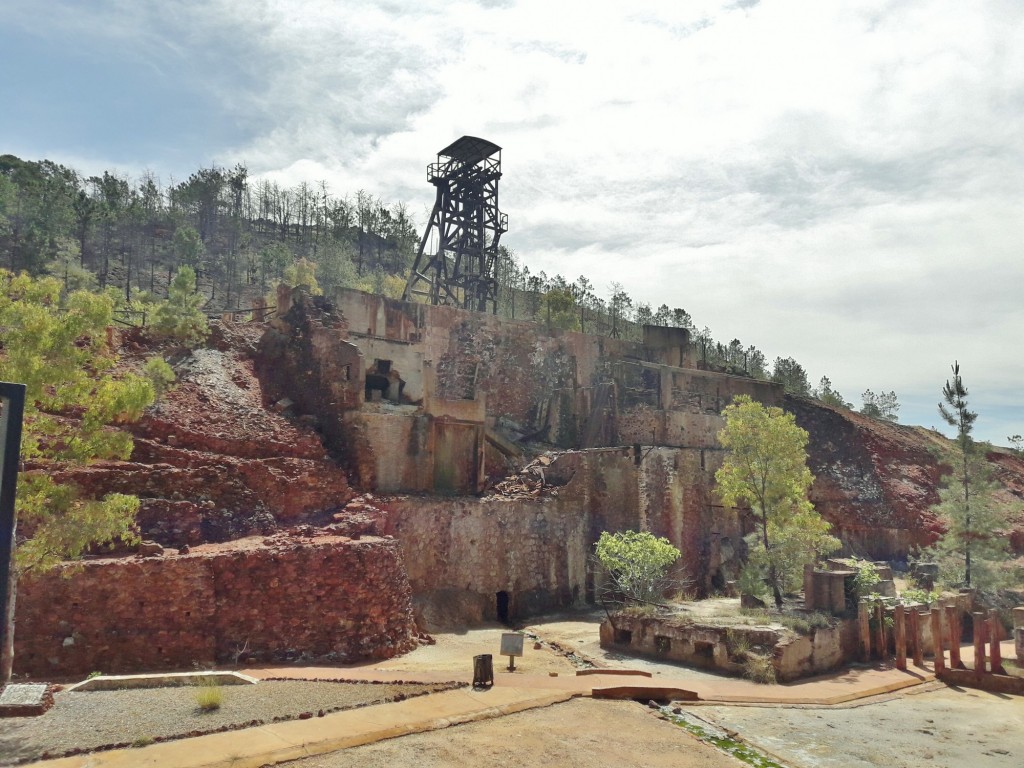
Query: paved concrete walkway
{"points": [[512, 692]]}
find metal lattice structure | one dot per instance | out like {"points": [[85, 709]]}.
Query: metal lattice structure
{"points": [[464, 229]]}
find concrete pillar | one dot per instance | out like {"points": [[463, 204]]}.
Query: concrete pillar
{"points": [[940, 657], [880, 644], [915, 636], [979, 644], [1018, 633], [837, 591], [953, 626], [809, 603], [901, 638], [995, 634], [864, 625], [259, 310]]}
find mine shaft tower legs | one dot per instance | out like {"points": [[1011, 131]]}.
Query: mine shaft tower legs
{"points": [[465, 225]]}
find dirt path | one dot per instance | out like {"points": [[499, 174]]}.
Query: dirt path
{"points": [[582, 733]]}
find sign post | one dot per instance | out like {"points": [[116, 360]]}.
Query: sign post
{"points": [[12, 410], [511, 646]]}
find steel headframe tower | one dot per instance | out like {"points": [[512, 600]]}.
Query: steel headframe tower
{"points": [[467, 224]]}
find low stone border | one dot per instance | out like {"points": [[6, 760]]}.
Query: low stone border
{"points": [[965, 678], [164, 680]]}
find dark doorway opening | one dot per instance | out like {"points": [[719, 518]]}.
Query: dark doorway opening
{"points": [[966, 628], [501, 606]]}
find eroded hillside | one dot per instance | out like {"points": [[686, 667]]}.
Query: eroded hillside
{"points": [[298, 464]]}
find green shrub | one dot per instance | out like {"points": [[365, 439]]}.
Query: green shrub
{"points": [[209, 696], [917, 595], [867, 577], [160, 374]]}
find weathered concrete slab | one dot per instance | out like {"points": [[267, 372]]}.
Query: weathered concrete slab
{"points": [[25, 700]]}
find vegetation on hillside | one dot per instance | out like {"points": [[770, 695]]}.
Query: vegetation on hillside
{"points": [[242, 236], [56, 344]]}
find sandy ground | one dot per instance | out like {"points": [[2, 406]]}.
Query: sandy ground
{"points": [[944, 727], [923, 727], [454, 651], [938, 727], [582, 733]]}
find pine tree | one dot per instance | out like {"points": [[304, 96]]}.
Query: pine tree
{"points": [[971, 539], [58, 348], [180, 317]]}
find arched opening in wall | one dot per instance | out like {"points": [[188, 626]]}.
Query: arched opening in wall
{"points": [[383, 382], [501, 606]]}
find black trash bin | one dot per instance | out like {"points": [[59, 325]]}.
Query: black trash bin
{"points": [[483, 671]]}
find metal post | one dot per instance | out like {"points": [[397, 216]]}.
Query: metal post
{"points": [[12, 411]]}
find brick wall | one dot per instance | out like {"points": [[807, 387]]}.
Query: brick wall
{"points": [[326, 598]]}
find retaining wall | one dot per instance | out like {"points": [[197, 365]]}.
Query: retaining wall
{"points": [[326, 598]]}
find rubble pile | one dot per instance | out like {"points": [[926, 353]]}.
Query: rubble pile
{"points": [[528, 482]]}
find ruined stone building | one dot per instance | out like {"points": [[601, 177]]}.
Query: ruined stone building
{"points": [[254, 475]]}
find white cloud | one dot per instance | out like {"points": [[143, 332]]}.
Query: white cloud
{"points": [[840, 181]]}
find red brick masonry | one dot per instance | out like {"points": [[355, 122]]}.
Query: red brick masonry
{"points": [[326, 598]]}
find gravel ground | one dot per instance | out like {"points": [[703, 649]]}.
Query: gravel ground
{"points": [[93, 719]]}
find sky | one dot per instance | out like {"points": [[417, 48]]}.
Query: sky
{"points": [[840, 182]]}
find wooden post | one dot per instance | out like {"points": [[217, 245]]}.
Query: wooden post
{"points": [[883, 648], [901, 638], [953, 626], [979, 644], [863, 621], [940, 656], [995, 635]]}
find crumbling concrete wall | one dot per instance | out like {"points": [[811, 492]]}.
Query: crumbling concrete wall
{"points": [[461, 553], [717, 647], [400, 449], [305, 358], [519, 367], [682, 408], [326, 598]]}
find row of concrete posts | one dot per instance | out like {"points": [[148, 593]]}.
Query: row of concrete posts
{"points": [[909, 622]]}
